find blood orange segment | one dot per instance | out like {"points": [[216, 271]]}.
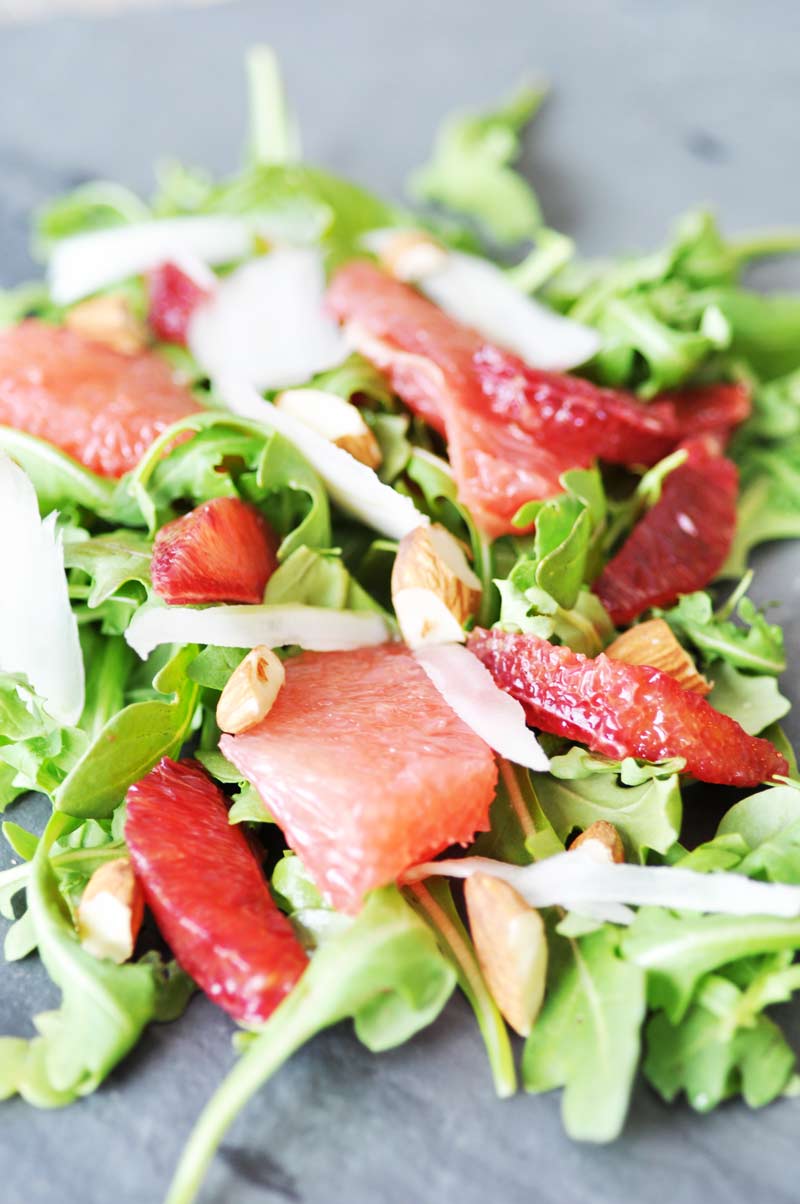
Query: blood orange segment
{"points": [[623, 710], [102, 408], [366, 768], [681, 543], [173, 298], [206, 890], [707, 409], [223, 551]]}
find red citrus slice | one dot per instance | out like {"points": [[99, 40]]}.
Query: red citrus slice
{"points": [[102, 408], [681, 543], [366, 768], [173, 298], [623, 710], [223, 551], [206, 890]]}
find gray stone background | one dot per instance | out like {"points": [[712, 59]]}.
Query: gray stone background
{"points": [[656, 106]]}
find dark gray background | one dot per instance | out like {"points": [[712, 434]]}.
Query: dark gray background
{"points": [[656, 106]]}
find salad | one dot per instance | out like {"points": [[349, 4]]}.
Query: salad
{"points": [[374, 606]]}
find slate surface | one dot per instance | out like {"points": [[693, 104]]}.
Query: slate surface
{"points": [[656, 107]]}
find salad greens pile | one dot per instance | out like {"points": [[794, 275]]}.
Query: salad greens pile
{"points": [[680, 995]]}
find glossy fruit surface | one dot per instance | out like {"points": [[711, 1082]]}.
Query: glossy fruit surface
{"points": [[100, 407], [173, 298], [365, 768], [207, 892], [222, 551], [623, 710], [681, 543]]}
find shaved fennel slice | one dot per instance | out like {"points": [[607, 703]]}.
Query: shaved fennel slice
{"points": [[469, 688], [480, 294], [88, 262], [38, 631], [353, 486], [568, 880], [266, 322], [315, 628]]}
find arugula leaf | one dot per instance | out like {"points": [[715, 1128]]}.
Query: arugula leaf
{"points": [[585, 627], [356, 377], [132, 742], [317, 579], [722, 1046], [110, 560], [314, 920], [104, 1007], [586, 1038], [519, 830], [229, 456], [93, 206], [677, 950], [754, 645], [384, 971], [60, 482], [36, 753], [470, 173], [755, 702], [642, 801], [434, 902]]}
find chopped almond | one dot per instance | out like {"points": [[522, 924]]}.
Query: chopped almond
{"points": [[335, 419], [411, 255], [434, 591], [653, 643], [511, 947], [250, 691], [110, 911], [109, 320], [602, 842]]}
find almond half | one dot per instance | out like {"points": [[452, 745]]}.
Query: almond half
{"points": [[434, 591], [602, 842], [335, 419], [411, 254], [110, 911], [511, 947], [108, 320], [250, 691], [653, 643]]}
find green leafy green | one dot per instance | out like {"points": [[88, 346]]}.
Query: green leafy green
{"points": [[132, 742], [470, 170], [754, 702], [315, 578], [434, 901], [753, 644], [110, 561], [519, 830], [384, 971], [642, 801], [587, 1036]]}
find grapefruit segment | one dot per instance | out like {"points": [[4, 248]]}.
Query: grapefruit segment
{"points": [[366, 768], [100, 407], [206, 890], [222, 551], [623, 710], [681, 543]]}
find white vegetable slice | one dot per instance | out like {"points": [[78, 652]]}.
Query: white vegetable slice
{"points": [[38, 631], [313, 627], [569, 880], [469, 688], [478, 293], [354, 487], [81, 265], [266, 322]]}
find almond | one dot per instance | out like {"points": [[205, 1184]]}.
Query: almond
{"points": [[110, 911], [411, 254], [602, 842], [109, 320], [335, 419], [653, 643], [511, 947], [250, 691], [434, 591]]}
